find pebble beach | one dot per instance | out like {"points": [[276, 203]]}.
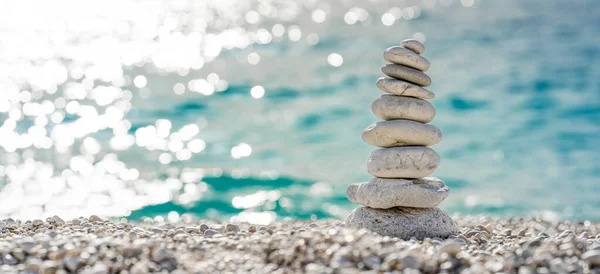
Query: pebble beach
{"points": [[219, 136], [484, 245]]}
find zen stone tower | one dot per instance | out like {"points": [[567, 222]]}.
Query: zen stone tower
{"points": [[401, 201]]}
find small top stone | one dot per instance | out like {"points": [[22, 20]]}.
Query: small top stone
{"points": [[413, 45]]}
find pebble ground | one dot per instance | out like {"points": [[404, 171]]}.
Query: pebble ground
{"points": [[485, 245]]}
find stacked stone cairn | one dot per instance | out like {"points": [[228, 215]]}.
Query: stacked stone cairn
{"points": [[401, 201]]}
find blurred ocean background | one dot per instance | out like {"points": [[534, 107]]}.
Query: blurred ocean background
{"points": [[253, 110]]}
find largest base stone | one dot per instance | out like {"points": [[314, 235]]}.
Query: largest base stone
{"points": [[404, 222]]}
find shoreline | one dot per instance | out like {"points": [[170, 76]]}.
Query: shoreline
{"points": [[485, 244]]}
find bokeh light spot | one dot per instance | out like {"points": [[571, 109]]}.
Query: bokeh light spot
{"points": [[335, 59], [257, 92]]}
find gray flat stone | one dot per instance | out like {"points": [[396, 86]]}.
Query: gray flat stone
{"points": [[387, 193], [403, 162], [413, 45], [406, 57], [408, 74], [404, 222], [392, 107], [399, 87], [395, 133]]}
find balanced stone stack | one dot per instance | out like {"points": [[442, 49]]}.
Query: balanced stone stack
{"points": [[401, 201]]}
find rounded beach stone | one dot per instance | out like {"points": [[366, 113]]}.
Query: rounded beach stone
{"points": [[387, 193], [407, 74], [403, 162], [396, 133], [413, 45], [592, 257], [404, 222], [403, 88], [392, 107], [402, 56]]}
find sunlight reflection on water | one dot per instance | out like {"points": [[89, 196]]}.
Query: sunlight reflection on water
{"points": [[253, 109]]}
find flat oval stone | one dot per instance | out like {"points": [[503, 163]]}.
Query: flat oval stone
{"points": [[404, 222], [413, 45], [391, 107], [387, 193], [408, 74], [403, 162], [399, 87], [395, 133], [403, 56]]}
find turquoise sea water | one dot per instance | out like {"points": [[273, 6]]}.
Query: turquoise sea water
{"points": [[253, 110]]}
